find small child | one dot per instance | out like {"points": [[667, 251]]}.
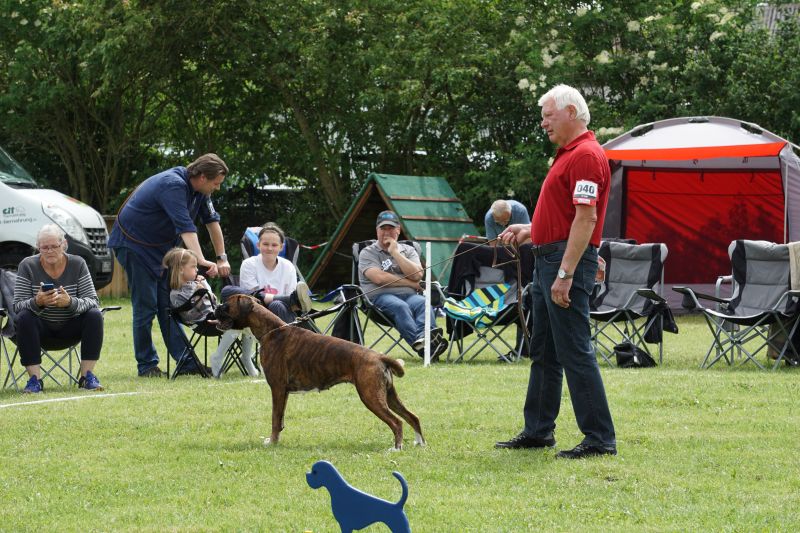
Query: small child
{"points": [[184, 282]]}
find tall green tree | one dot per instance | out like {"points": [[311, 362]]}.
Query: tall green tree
{"points": [[81, 83]]}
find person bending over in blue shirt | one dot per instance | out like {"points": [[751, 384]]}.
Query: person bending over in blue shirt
{"points": [[502, 214], [156, 217]]}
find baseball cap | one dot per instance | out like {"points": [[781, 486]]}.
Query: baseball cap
{"points": [[387, 217]]}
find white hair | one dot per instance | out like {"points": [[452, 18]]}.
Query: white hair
{"points": [[500, 207], [51, 230], [564, 95]]}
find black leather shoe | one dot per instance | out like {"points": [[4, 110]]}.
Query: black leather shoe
{"points": [[194, 371], [526, 441], [585, 450], [154, 372]]}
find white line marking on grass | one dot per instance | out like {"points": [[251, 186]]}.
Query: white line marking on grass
{"points": [[108, 395], [237, 382], [71, 398]]}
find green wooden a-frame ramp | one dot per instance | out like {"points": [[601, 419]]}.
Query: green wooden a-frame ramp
{"points": [[429, 212]]}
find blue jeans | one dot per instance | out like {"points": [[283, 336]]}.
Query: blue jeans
{"points": [[407, 313], [149, 299], [561, 344]]}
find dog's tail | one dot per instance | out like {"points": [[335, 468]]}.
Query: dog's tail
{"points": [[395, 365], [404, 497]]}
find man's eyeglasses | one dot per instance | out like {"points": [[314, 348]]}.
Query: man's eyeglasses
{"points": [[50, 248]]}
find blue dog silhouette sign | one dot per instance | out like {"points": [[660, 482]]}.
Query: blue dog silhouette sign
{"points": [[354, 509]]}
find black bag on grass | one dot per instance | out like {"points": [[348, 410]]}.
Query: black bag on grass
{"points": [[630, 356]]}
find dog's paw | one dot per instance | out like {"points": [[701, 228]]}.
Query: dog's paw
{"points": [[267, 442], [396, 449]]}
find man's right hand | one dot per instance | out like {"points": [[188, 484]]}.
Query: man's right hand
{"points": [[391, 246], [211, 269], [518, 233]]}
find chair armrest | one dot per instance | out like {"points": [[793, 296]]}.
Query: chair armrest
{"points": [[650, 294], [785, 296], [191, 302], [110, 308], [437, 294], [353, 292], [696, 296]]}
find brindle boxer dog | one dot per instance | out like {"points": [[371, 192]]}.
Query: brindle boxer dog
{"points": [[298, 360]]}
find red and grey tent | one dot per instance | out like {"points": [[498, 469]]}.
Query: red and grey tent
{"points": [[696, 184]]}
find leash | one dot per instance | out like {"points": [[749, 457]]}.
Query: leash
{"points": [[513, 251], [364, 293]]}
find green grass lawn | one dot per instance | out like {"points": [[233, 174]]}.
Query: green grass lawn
{"points": [[699, 450]]}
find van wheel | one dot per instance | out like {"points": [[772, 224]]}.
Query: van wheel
{"points": [[11, 257]]}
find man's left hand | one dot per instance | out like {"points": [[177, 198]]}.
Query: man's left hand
{"points": [[223, 268], [559, 292]]}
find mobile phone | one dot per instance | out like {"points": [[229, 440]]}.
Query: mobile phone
{"points": [[47, 286]]}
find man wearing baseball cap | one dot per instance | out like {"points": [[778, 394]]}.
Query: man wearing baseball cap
{"points": [[390, 272]]}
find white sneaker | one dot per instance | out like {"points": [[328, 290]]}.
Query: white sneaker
{"points": [[419, 344], [302, 297], [216, 367]]}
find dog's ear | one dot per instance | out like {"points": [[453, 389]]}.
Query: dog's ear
{"points": [[245, 306]]}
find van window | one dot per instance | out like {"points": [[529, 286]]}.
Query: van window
{"points": [[12, 173]]}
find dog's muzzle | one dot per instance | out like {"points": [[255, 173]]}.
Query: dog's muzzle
{"points": [[223, 317]]}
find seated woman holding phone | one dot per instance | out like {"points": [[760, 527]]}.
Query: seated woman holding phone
{"points": [[54, 298]]}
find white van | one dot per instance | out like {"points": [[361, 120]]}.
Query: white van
{"points": [[25, 208]]}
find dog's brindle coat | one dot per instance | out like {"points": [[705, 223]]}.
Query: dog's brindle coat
{"points": [[297, 360]]}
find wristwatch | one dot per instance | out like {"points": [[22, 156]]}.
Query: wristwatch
{"points": [[222, 257], [562, 274]]}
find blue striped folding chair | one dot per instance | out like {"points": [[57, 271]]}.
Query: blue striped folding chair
{"points": [[486, 312]]}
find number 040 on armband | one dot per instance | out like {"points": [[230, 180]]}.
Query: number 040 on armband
{"points": [[585, 193]]}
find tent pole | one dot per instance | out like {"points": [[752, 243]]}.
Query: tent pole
{"points": [[785, 179]]}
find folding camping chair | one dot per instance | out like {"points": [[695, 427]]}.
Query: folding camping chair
{"points": [[249, 246], [627, 306], [4, 355], [763, 312], [370, 313], [200, 332], [233, 357], [290, 250], [59, 356], [344, 324], [483, 300]]}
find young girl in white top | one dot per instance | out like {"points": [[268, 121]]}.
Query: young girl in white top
{"points": [[272, 278], [184, 282]]}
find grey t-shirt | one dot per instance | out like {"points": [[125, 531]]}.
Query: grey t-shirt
{"points": [[373, 256]]}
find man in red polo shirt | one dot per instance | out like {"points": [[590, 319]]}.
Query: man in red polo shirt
{"points": [[565, 232]]}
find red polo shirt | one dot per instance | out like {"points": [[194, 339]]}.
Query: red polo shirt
{"points": [[580, 175]]}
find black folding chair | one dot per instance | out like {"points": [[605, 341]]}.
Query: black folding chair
{"points": [[763, 313], [628, 306], [367, 313], [234, 355], [200, 332], [290, 250], [60, 357]]}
